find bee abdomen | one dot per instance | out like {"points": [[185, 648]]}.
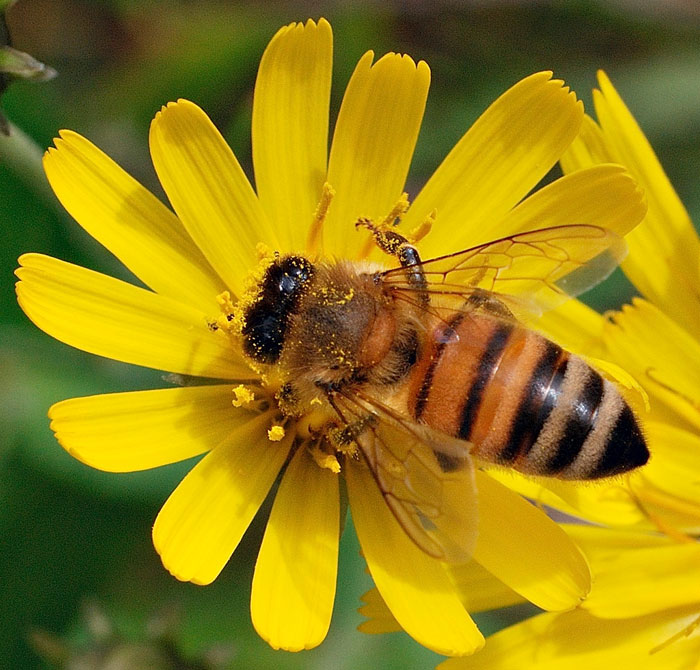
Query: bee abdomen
{"points": [[590, 433], [569, 422], [524, 402]]}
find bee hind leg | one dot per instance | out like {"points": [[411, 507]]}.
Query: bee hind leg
{"points": [[487, 302]]}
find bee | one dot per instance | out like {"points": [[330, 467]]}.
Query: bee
{"points": [[429, 366]]}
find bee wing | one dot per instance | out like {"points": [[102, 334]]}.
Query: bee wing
{"points": [[426, 478], [530, 272]]}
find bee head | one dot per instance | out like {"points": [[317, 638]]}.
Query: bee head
{"points": [[265, 320]]}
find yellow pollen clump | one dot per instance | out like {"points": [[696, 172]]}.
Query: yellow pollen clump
{"points": [[263, 251], [243, 396], [276, 433], [225, 320], [324, 459]]}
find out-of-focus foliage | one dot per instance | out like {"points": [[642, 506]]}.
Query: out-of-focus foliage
{"points": [[70, 533]]}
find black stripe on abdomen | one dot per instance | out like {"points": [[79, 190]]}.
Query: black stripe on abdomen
{"points": [[490, 357], [541, 393], [581, 420], [424, 391], [625, 447]]}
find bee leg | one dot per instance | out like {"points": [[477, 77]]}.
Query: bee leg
{"points": [[484, 300], [394, 244], [342, 438]]}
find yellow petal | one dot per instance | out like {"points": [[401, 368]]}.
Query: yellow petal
{"points": [[588, 149], [290, 127], [604, 196], [607, 502], [108, 317], [526, 550], [129, 221], [577, 640], [498, 161], [636, 575], [373, 145], [203, 520], [378, 616], [416, 587], [667, 512], [574, 326], [295, 575], [209, 191], [675, 466], [480, 590], [662, 356], [123, 432], [664, 251]]}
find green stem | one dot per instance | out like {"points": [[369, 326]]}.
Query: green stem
{"points": [[21, 154]]}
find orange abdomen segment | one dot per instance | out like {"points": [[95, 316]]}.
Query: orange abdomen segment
{"points": [[523, 401]]}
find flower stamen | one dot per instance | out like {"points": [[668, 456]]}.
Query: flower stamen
{"points": [[419, 233], [323, 458], [242, 396], [314, 242]]}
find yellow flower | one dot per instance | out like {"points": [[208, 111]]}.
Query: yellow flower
{"points": [[644, 608], [656, 339], [199, 261], [623, 621]]}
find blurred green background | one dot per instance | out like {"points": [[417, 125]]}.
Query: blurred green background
{"points": [[69, 533]]}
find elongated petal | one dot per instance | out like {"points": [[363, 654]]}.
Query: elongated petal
{"points": [[111, 318], [480, 590], [123, 432], [290, 127], [675, 467], [295, 575], [416, 588], [577, 640], [502, 156], [626, 564], [209, 191], [604, 196], [662, 355], [574, 326], [378, 616], [129, 221], [526, 550], [203, 520], [589, 148], [607, 502], [663, 260], [373, 145]]}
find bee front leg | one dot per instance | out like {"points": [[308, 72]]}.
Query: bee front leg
{"points": [[395, 244]]}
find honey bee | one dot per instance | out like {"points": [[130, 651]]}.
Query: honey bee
{"points": [[429, 365]]}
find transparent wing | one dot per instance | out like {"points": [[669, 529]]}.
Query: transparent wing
{"points": [[529, 273], [426, 478]]}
